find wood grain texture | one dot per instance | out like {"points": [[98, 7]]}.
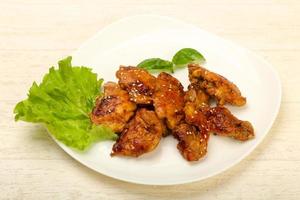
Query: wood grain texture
{"points": [[35, 34]]}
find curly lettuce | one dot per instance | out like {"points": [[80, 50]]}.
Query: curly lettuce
{"points": [[63, 102]]}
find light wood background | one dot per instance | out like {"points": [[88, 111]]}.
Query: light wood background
{"points": [[34, 34]]}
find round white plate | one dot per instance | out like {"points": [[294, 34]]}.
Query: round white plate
{"points": [[133, 39]]}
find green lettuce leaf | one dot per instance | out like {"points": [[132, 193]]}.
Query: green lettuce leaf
{"points": [[63, 102]]}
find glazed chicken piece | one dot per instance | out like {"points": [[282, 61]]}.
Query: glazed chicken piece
{"points": [[141, 135], [168, 99], [138, 82], [192, 142], [196, 95], [216, 86], [114, 109], [219, 120]]}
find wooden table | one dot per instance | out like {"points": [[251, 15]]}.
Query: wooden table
{"points": [[34, 34]]}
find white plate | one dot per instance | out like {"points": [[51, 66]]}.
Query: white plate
{"points": [[133, 39]]}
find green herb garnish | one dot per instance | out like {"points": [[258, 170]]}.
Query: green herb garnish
{"points": [[156, 64], [63, 102], [186, 56], [181, 59]]}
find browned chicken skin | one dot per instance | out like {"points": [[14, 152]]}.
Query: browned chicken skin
{"points": [[196, 95], [141, 135], [192, 142], [113, 109], [220, 121], [138, 82], [168, 99], [216, 86], [188, 115]]}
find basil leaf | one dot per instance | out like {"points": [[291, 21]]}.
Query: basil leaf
{"points": [[186, 56], [156, 65]]}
